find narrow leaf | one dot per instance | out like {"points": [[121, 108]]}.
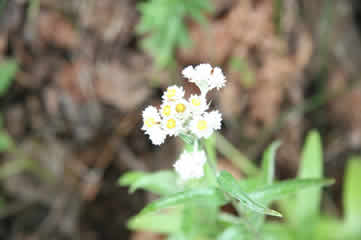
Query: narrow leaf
{"points": [[311, 166], [184, 197], [130, 177], [280, 190], [268, 163], [230, 185], [160, 223], [162, 182], [352, 195]]}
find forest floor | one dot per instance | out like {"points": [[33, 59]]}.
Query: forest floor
{"points": [[74, 109]]}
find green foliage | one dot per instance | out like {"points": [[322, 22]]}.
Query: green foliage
{"points": [[193, 210], [2, 5], [162, 182], [303, 215], [8, 69], [352, 196], [5, 141], [164, 21], [230, 185], [158, 222], [184, 197]]}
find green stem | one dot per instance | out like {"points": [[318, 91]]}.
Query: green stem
{"points": [[237, 158]]}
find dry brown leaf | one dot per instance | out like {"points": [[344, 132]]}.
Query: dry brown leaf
{"points": [[122, 86]]}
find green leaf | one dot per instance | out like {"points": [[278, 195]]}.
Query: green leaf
{"points": [[352, 195], [235, 232], [163, 21], [276, 231], [282, 189], [200, 219], [161, 223], [130, 177], [230, 185], [8, 68], [5, 141], [330, 229], [237, 158], [268, 163], [311, 166], [162, 182], [184, 197]]}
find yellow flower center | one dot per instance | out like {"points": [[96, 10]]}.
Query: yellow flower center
{"points": [[180, 108], [170, 93], [166, 110], [171, 123], [196, 102], [202, 125], [150, 122]]}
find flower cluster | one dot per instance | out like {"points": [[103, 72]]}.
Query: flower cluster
{"points": [[178, 115]]}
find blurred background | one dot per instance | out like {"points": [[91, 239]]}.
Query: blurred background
{"points": [[76, 74]]}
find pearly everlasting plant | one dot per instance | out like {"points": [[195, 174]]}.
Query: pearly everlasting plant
{"points": [[193, 193]]}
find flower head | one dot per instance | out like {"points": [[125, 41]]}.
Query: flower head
{"points": [[217, 79], [205, 124], [201, 126], [151, 118], [157, 135], [167, 109], [190, 165], [215, 118], [205, 77], [197, 104], [181, 109], [173, 93], [172, 125]]}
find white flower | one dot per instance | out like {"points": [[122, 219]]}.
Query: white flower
{"points": [[190, 165], [188, 72], [172, 125], [157, 135], [217, 79], [151, 118], [181, 109], [167, 109], [201, 126], [205, 77], [173, 93], [215, 119], [197, 104]]}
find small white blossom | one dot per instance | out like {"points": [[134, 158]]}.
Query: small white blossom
{"points": [[205, 77], [172, 125], [167, 109], [151, 118], [217, 79], [190, 165], [197, 104], [181, 109], [215, 119], [188, 72], [157, 135], [173, 93], [201, 126]]}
